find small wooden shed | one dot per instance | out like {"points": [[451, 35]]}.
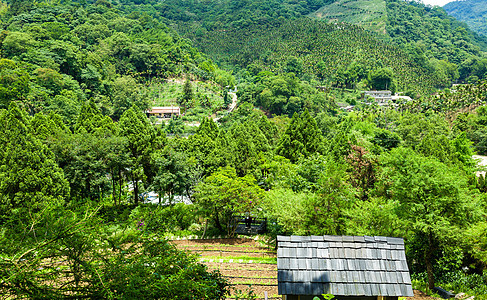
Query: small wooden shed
{"points": [[164, 111], [348, 267]]}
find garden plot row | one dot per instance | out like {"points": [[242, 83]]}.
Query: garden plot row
{"points": [[242, 261]]}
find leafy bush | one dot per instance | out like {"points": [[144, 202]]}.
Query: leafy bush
{"points": [[161, 219], [456, 281], [112, 213], [471, 284], [61, 254]]}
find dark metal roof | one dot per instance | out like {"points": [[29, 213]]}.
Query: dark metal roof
{"points": [[342, 266]]}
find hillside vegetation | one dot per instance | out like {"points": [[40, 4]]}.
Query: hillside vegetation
{"points": [[90, 187], [224, 14], [431, 38], [472, 12], [371, 15], [55, 57], [428, 34], [327, 51]]}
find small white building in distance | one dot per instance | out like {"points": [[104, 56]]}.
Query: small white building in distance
{"points": [[381, 97], [386, 97]]}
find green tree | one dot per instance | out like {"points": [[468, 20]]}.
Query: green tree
{"points": [[414, 127], [67, 105], [49, 79], [91, 120], [314, 200], [186, 100], [294, 65], [243, 151], [141, 142], [29, 175], [94, 164], [173, 174], [210, 146], [289, 208], [125, 93], [14, 82], [386, 139], [434, 201], [17, 43], [302, 138], [382, 79], [20, 6], [223, 194], [66, 253]]}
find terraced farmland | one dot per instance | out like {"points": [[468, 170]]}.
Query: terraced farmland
{"points": [[243, 262]]}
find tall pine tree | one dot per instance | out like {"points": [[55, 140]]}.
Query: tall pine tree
{"points": [[29, 176], [302, 138]]}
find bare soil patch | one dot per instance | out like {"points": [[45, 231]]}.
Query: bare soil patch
{"points": [[419, 295], [217, 242], [261, 277]]}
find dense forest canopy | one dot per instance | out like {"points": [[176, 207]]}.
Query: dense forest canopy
{"points": [[78, 155], [427, 34], [338, 54], [472, 12], [55, 57]]}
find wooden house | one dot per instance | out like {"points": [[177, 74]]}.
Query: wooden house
{"points": [[164, 111], [348, 267]]}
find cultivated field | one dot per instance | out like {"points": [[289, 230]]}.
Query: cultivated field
{"points": [[243, 262]]}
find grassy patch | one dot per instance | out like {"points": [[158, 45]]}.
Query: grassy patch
{"points": [[240, 259], [371, 14], [206, 94]]}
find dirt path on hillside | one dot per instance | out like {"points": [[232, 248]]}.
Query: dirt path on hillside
{"points": [[232, 105]]}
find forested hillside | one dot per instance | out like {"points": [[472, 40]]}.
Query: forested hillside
{"points": [[428, 34], [339, 54], [472, 12], [371, 15], [225, 14], [431, 35], [55, 57], [91, 188], [431, 38]]}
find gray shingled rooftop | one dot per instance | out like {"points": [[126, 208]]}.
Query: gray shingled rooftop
{"points": [[342, 266]]}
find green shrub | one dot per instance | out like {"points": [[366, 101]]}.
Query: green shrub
{"points": [[61, 254], [456, 281], [161, 219], [471, 284], [119, 213]]}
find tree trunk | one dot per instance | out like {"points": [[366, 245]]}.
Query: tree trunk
{"points": [[217, 222], [136, 189], [114, 188], [204, 231], [429, 271], [119, 186], [428, 256]]}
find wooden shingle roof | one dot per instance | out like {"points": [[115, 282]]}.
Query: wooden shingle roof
{"points": [[342, 266]]}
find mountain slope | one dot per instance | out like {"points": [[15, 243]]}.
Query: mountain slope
{"points": [[56, 56], [408, 22], [431, 38], [472, 12], [371, 14], [225, 14], [326, 50]]}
